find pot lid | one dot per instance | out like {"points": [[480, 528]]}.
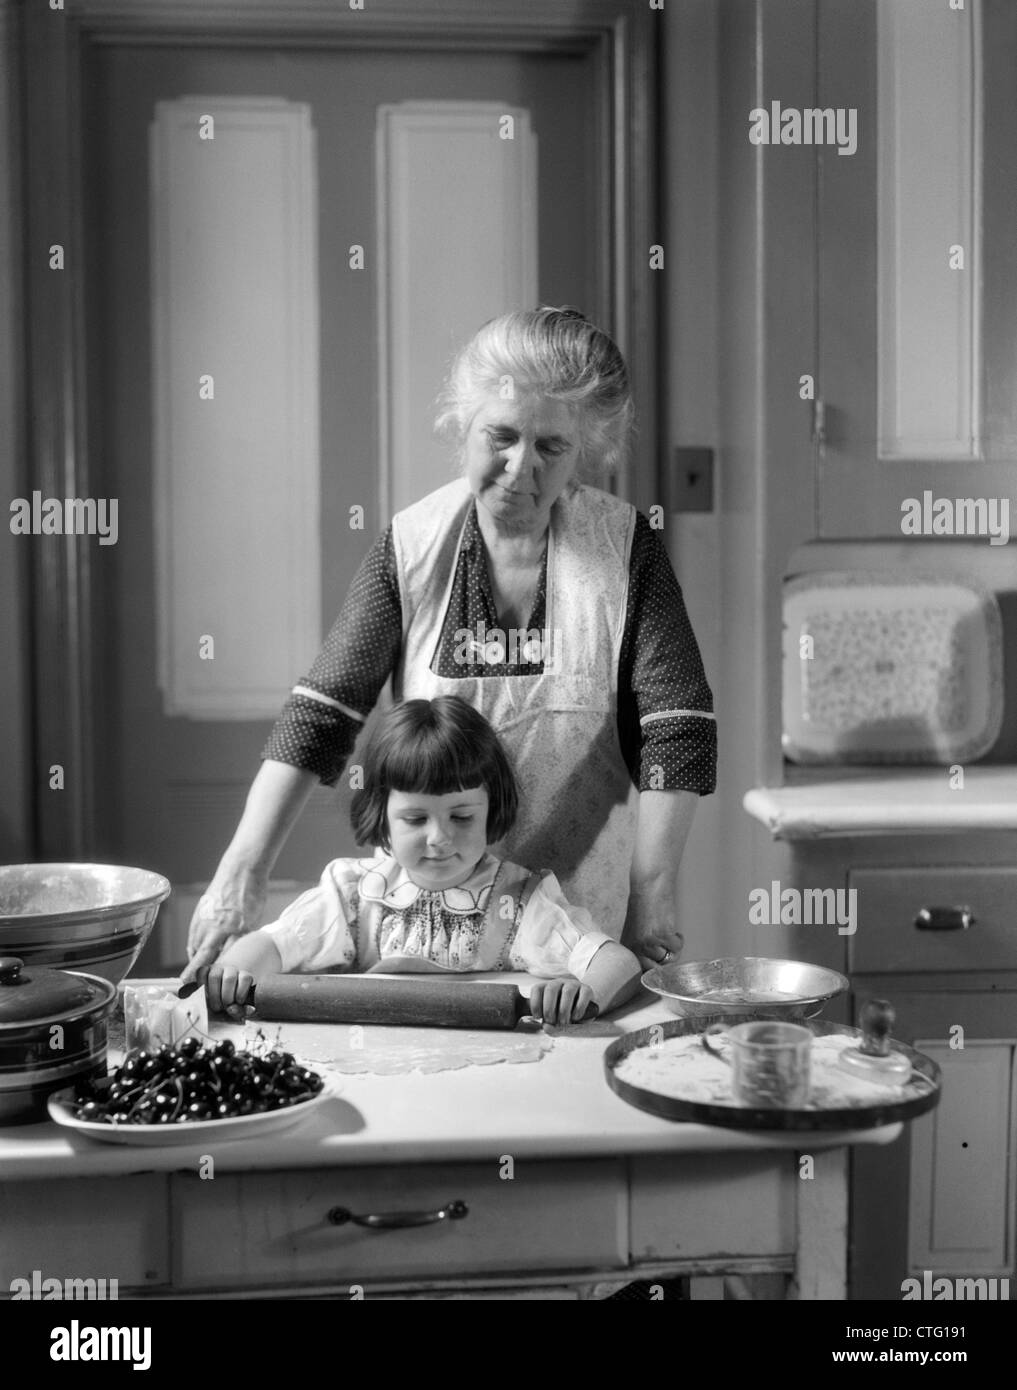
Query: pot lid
{"points": [[33, 994]]}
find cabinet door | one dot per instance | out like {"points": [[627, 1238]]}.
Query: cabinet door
{"points": [[916, 350], [941, 1198], [959, 1220]]}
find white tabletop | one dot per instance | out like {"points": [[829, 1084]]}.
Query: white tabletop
{"points": [[558, 1106]]}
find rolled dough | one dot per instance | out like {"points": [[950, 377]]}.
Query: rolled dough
{"points": [[392, 1051]]}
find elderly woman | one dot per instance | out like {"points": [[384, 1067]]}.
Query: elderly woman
{"points": [[550, 606]]}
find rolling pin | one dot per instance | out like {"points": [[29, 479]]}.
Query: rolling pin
{"points": [[370, 999]]}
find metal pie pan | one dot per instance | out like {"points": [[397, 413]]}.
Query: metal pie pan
{"points": [[798, 989], [916, 1098]]}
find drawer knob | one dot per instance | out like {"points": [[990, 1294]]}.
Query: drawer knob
{"points": [[394, 1220], [944, 919]]}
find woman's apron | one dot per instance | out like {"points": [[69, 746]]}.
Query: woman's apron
{"points": [[577, 802]]}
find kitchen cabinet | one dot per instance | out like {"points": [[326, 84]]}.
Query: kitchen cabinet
{"points": [[941, 943], [944, 1201], [568, 1191], [916, 350], [944, 1197]]}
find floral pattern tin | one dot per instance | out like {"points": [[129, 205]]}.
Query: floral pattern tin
{"points": [[886, 669]]}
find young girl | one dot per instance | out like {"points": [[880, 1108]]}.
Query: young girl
{"points": [[438, 790]]}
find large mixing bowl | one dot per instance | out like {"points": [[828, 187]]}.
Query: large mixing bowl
{"points": [[785, 989], [91, 917]]}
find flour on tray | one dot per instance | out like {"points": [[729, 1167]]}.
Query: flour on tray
{"points": [[354, 1050], [682, 1069]]}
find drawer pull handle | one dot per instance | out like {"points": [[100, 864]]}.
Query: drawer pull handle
{"points": [[394, 1220], [945, 919]]}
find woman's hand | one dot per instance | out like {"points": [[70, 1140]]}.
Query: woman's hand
{"points": [[231, 906], [235, 899], [651, 931], [561, 1001], [228, 990]]}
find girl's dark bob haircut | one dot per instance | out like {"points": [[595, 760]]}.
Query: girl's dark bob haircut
{"points": [[434, 747]]}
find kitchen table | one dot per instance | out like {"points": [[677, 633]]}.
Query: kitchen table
{"points": [[569, 1192]]}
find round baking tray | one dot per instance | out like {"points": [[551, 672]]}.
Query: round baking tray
{"points": [[915, 1099]]}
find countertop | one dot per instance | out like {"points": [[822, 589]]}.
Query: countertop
{"points": [[831, 802], [555, 1107]]}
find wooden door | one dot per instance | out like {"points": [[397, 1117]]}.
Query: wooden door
{"points": [[172, 788]]}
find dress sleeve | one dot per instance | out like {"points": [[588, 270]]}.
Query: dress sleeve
{"points": [[555, 937], [666, 725], [326, 710], [318, 930]]}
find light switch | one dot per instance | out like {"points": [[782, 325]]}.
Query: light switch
{"points": [[690, 480]]}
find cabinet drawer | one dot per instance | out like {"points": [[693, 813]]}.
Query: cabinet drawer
{"points": [[88, 1228], [687, 1208], [889, 901], [272, 1229]]}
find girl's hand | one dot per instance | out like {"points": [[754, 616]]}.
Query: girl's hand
{"points": [[561, 1001], [228, 990]]}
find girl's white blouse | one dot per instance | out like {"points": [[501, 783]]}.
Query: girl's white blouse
{"points": [[324, 927]]}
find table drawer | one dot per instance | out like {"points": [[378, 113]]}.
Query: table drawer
{"points": [[272, 1229], [86, 1229], [712, 1205], [890, 900]]}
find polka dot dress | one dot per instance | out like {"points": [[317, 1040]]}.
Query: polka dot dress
{"points": [[663, 694], [661, 679], [472, 609]]}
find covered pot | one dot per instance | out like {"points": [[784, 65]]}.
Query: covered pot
{"points": [[52, 1034]]}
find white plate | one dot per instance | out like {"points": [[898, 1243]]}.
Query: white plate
{"points": [[61, 1105]]}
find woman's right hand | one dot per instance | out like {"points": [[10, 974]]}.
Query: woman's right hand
{"points": [[231, 906]]}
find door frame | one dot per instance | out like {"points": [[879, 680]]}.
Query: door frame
{"points": [[60, 328]]}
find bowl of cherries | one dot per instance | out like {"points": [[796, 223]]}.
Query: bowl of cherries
{"points": [[166, 1096]]}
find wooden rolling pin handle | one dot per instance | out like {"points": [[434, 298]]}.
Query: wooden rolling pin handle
{"points": [[425, 1002]]}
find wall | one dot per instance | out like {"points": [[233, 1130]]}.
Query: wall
{"points": [[690, 414], [15, 831], [741, 325]]}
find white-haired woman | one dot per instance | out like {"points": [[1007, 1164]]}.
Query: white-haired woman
{"points": [[549, 605]]}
